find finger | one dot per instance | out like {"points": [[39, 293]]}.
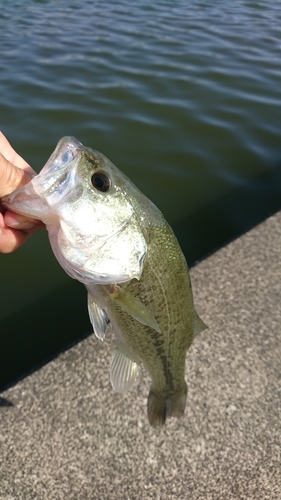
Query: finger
{"points": [[10, 239], [11, 177], [17, 221], [11, 155]]}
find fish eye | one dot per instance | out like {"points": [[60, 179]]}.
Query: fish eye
{"points": [[101, 181]]}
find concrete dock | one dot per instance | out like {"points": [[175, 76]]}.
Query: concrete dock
{"points": [[66, 435]]}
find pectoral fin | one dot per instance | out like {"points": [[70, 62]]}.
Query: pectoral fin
{"points": [[98, 318], [123, 372], [133, 306]]}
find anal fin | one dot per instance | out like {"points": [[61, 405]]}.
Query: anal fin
{"points": [[123, 372]]}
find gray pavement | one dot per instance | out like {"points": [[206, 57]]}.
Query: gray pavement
{"points": [[65, 434]]}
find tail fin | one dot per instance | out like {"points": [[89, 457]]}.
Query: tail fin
{"points": [[161, 405]]}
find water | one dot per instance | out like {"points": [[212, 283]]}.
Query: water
{"points": [[184, 97]]}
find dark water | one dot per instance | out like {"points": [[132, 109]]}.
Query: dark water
{"points": [[184, 97]]}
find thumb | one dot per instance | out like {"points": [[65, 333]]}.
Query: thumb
{"points": [[11, 177]]}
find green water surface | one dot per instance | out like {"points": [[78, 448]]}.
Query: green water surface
{"points": [[184, 97]]}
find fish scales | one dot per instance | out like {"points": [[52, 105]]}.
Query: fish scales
{"points": [[169, 298], [108, 235]]}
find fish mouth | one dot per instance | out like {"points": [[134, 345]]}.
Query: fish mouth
{"points": [[26, 201], [65, 152], [58, 171], [37, 198]]}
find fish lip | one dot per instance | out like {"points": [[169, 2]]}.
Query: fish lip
{"points": [[20, 202], [8, 200]]}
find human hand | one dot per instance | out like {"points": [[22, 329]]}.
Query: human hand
{"points": [[14, 172]]}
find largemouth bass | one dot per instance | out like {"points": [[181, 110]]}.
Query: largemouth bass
{"points": [[109, 236]]}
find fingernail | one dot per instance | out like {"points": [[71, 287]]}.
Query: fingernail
{"points": [[23, 225]]}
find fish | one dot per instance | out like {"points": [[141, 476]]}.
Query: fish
{"points": [[108, 235]]}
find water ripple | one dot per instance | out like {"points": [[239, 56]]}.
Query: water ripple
{"points": [[188, 91]]}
